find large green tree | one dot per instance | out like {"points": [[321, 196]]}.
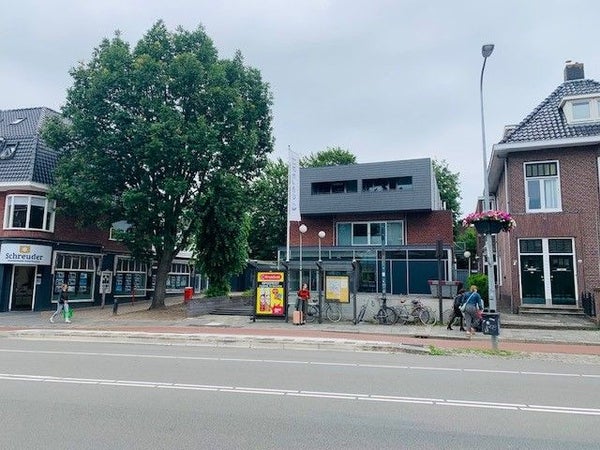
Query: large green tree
{"points": [[269, 211], [331, 156], [151, 132], [449, 187]]}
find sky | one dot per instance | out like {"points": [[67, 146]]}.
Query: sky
{"points": [[384, 79]]}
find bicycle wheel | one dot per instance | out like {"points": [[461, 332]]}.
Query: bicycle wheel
{"points": [[333, 312], [424, 316], [387, 316], [432, 316], [312, 313], [361, 313], [402, 314]]}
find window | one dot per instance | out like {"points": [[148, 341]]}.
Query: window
{"points": [[581, 109], [130, 277], [542, 187], [29, 212], [78, 272], [386, 184], [334, 187], [370, 233], [179, 277]]}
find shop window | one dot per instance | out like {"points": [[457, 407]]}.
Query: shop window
{"points": [[78, 272], [130, 277]]}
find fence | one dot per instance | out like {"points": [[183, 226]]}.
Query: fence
{"points": [[588, 302]]}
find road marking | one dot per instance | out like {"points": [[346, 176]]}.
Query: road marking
{"points": [[309, 394], [296, 362]]}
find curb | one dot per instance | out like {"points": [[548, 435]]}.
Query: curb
{"points": [[225, 340]]}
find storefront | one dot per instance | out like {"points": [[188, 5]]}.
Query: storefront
{"points": [[24, 266], [78, 270]]}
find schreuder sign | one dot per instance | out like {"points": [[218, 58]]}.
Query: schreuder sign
{"points": [[25, 254]]}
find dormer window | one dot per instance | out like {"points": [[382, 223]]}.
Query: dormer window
{"points": [[581, 109]]}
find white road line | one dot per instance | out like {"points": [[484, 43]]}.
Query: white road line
{"points": [[308, 394], [315, 363]]}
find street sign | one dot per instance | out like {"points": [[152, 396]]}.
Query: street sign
{"points": [[106, 282]]}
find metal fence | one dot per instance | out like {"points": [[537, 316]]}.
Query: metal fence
{"points": [[588, 303]]}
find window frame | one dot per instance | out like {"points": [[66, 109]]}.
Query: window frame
{"points": [[371, 239], [568, 104], [48, 212], [541, 184]]}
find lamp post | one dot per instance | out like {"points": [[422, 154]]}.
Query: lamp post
{"points": [[467, 255], [321, 236], [486, 51], [302, 229]]}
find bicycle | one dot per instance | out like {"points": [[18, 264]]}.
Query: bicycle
{"points": [[384, 316], [419, 312], [332, 310]]}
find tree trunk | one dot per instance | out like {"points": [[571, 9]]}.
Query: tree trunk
{"points": [[162, 272]]}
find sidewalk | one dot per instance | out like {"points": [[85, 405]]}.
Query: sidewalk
{"points": [[135, 322]]}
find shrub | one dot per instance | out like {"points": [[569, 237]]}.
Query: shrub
{"points": [[481, 281]]}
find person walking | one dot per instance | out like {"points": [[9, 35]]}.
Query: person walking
{"points": [[456, 312], [472, 305], [302, 302], [63, 304]]}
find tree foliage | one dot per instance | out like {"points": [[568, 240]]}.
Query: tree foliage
{"points": [[332, 156], [223, 215], [150, 132], [449, 187], [269, 211]]}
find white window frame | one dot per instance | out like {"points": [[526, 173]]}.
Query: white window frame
{"points": [[47, 222], [541, 179], [124, 266], [594, 105]]}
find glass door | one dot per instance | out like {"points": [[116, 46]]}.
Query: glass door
{"points": [[23, 288]]}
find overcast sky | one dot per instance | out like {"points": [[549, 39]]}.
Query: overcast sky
{"points": [[386, 80]]}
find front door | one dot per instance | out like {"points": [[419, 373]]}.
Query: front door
{"points": [[547, 272], [532, 279], [23, 288]]}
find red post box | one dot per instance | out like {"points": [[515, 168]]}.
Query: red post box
{"points": [[188, 292]]}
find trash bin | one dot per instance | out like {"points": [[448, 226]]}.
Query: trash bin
{"points": [[188, 292], [490, 324]]}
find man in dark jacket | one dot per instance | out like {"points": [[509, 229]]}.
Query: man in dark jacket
{"points": [[456, 312]]}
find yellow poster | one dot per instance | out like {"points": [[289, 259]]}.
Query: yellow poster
{"points": [[337, 289], [270, 293]]}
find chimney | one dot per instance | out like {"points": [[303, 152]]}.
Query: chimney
{"points": [[573, 71]]}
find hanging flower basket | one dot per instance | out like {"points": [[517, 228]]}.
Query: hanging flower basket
{"points": [[490, 222]]}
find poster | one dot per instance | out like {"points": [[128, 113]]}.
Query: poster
{"points": [[336, 289], [270, 294]]}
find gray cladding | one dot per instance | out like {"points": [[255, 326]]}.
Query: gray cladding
{"points": [[33, 161], [420, 196]]}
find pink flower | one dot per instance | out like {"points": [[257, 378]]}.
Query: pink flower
{"points": [[508, 223]]}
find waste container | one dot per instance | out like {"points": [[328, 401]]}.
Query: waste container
{"points": [[188, 292], [490, 323]]}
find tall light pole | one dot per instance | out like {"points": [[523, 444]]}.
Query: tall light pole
{"points": [[486, 51], [321, 236], [302, 229], [467, 255]]}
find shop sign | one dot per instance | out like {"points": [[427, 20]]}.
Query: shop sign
{"points": [[25, 254]]}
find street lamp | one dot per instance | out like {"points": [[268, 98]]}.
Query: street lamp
{"points": [[486, 51], [321, 236], [467, 255], [303, 229]]}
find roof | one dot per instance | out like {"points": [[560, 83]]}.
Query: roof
{"points": [[32, 161], [546, 127], [547, 121]]}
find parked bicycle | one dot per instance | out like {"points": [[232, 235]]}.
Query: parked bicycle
{"points": [[332, 310], [417, 313], [384, 316]]}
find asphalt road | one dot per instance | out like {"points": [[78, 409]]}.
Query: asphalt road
{"points": [[85, 395]]}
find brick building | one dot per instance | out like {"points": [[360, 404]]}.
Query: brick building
{"points": [[545, 172], [371, 212]]}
